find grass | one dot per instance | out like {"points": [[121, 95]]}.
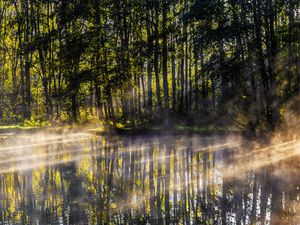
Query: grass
{"points": [[16, 127], [92, 127]]}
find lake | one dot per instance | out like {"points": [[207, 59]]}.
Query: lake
{"points": [[180, 179]]}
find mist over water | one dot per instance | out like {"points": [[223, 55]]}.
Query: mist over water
{"points": [[79, 178]]}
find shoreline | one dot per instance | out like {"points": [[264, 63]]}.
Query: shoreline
{"points": [[106, 130]]}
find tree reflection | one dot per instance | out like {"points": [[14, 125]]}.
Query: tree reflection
{"points": [[148, 181]]}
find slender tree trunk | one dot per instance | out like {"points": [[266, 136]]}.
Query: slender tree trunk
{"points": [[156, 70], [149, 69], [182, 80], [190, 82], [27, 64], [165, 62], [98, 99], [74, 93], [196, 83], [173, 76], [204, 83], [142, 81]]}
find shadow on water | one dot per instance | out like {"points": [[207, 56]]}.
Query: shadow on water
{"points": [[150, 180]]}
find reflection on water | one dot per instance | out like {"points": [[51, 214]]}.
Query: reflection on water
{"points": [[150, 180]]}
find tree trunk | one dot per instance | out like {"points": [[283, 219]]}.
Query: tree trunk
{"points": [[196, 83], [165, 63], [174, 103], [156, 70], [149, 69]]}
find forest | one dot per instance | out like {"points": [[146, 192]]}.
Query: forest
{"points": [[140, 62], [150, 112]]}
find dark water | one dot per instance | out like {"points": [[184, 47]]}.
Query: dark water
{"points": [[145, 180]]}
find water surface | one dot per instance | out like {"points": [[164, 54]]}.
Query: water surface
{"points": [[78, 179]]}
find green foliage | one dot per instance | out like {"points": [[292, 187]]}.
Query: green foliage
{"points": [[33, 122], [132, 63]]}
